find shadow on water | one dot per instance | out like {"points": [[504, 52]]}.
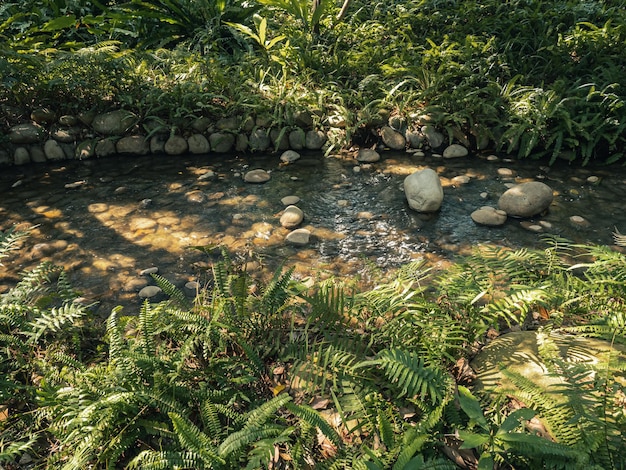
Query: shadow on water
{"points": [[107, 220]]}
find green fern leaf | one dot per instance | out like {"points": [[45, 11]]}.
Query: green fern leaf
{"points": [[55, 320], [167, 460], [194, 440], [408, 373], [236, 442], [173, 292], [313, 418], [259, 415]]}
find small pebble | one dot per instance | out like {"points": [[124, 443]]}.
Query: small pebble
{"points": [[484, 195], [207, 175], [506, 173], [290, 200], [578, 220], [492, 158], [76, 184], [531, 227], [148, 271], [356, 169], [593, 179], [149, 292]]}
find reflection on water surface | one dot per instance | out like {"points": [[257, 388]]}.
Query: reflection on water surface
{"points": [[107, 220]]}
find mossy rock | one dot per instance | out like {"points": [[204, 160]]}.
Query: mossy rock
{"points": [[518, 352]]}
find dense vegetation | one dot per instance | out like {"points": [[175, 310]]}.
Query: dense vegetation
{"points": [[534, 78], [282, 375], [286, 374]]}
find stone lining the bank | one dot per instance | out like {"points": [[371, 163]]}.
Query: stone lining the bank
{"points": [[47, 137]]}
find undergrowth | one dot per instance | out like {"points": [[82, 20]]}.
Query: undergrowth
{"points": [[288, 376], [534, 79]]}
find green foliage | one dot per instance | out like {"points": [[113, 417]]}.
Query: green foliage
{"points": [[285, 375], [535, 79]]}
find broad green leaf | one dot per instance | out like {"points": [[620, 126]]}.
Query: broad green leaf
{"points": [[472, 440], [61, 22], [486, 462], [471, 406], [514, 419]]}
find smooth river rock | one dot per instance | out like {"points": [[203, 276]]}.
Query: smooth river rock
{"points": [[292, 217], [368, 156], [423, 191], [256, 176], [454, 151], [299, 236], [198, 144], [176, 145], [26, 134], [114, 122], [289, 156], [392, 138], [489, 216], [221, 142], [526, 199]]}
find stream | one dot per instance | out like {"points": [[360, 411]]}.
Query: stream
{"points": [[107, 220]]}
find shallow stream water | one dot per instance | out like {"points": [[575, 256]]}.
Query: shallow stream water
{"points": [[107, 220]]}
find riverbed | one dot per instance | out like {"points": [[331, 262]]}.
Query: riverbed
{"points": [[106, 221]]}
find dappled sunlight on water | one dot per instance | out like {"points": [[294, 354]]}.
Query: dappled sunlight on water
{"points": [[108, 220]]}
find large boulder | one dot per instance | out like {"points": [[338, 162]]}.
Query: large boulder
{"points": [[423, 191], [222, 142], [314, 140], [198, 144], [259, 140], [433, 136], [526, 199]]}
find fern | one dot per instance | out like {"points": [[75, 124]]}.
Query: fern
{"points": [[192, 439], [55, 320], [11, 451], [411, 375], [173, 292], [10, 240], [167, 460], [313, 418]]}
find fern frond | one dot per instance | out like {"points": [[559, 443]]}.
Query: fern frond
{"points": [[146, 329], [173, 292], [9, 241], [262, 413], [239, 440], [10, 452], [194, 440], [313, 418], [166, 460], [276, 293], [211, 420], [410, 374], [55, 320]]}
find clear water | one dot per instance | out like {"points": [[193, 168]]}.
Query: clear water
{"points": [[107, 220]]}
